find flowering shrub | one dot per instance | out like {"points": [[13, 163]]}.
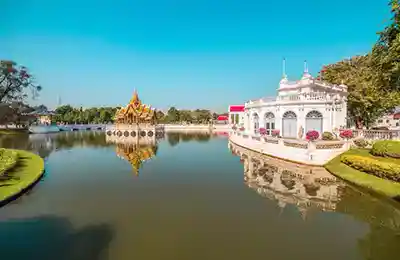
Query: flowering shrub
{"points": [[346, 134], [263, 131], [241, 129], [275, 133], [312, 135]]}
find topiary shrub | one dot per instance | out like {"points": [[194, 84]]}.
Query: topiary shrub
{"points": [[8, 159], [386, 148], [361, 143], [328, 136], [385, 170]]}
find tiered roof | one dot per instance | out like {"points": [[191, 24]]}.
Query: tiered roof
{"points": [[136, 108]]}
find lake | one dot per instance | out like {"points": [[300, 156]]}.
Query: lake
{"points": [[193, 196]]}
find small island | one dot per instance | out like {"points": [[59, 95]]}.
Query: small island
{"points": [[19, 171]]}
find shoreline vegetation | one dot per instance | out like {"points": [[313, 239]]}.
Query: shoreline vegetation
{"points": [[20, 175], [374, 173]]}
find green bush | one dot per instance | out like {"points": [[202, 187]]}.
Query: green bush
{"points": [[8, 159], [382, 169], [361, 143], [386, 148], [327, 136]]}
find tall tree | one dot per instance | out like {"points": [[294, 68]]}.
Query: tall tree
{"points": [[373, 79], [386, 52], [14, 81]]}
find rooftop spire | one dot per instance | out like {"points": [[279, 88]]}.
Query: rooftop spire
{"points": [[306, 74], [305, 67], [284, 68], [135, 98]]}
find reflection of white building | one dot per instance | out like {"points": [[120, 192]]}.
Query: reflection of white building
{"points": [[307, 103]]}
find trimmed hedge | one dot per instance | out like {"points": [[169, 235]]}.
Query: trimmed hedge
{"points": [[386, 148], [8, 159], [362, 143], [382, 169], [328, 136]]}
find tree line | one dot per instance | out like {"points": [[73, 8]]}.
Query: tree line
{"points": [[373, 79], [103, 115]]}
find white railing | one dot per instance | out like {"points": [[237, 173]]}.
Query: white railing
{"points": [[377, 134]]}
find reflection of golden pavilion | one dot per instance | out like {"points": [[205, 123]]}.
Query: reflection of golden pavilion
{"points": [[135, 154]]}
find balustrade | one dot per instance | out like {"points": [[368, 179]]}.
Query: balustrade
{"points": [[377, 134]]}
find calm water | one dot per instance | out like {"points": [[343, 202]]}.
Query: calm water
{"points": [[195, 197]]}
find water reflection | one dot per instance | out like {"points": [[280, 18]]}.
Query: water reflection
{"points": [[52, 238], [288, 183], [135, 150], [175, 137], [312, 189], [45, 144]]}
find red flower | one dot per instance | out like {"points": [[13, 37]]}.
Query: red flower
{"points": [[241, 129], [263, 131], [312, 135]]}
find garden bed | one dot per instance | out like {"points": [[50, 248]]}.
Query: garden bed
{"points": [[28, 169], [363, 179]]}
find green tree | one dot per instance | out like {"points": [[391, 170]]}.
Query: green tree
{"points": [[373, 79], [367, 99], [173, 115], [14, 80]]}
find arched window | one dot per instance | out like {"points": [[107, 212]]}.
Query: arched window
{"points": [[256, 123], [314, 121], [269, 122], [289, 124]]}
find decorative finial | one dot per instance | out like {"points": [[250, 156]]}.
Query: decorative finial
{"points": [[284, 68], [135, 98], [305, 66]]}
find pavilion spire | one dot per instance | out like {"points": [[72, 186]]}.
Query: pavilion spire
{"points": [[135, 97]]}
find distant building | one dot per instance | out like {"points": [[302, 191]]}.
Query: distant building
{"points": [[236, 114], [390, 121], [222, 119]]}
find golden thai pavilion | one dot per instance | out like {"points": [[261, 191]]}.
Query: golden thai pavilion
{"points": [[136, 113], [135, 120]]}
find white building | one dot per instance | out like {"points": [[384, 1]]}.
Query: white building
{"points": [[300, 106]]}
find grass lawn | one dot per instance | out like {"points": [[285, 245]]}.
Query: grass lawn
{"points": [[29, 168], [362, 179]]}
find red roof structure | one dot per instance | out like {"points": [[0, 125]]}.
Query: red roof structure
{"points": [[239, 108], [222, 118]]}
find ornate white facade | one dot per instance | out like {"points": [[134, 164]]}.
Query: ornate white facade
{"points": [[300, 106]]}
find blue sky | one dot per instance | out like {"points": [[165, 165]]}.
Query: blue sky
{"points": [[183, 53]]}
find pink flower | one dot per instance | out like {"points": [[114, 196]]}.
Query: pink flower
{"points": [[275, 132], [263, 131], [312, 135], [346, 134], [241, 129]]}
